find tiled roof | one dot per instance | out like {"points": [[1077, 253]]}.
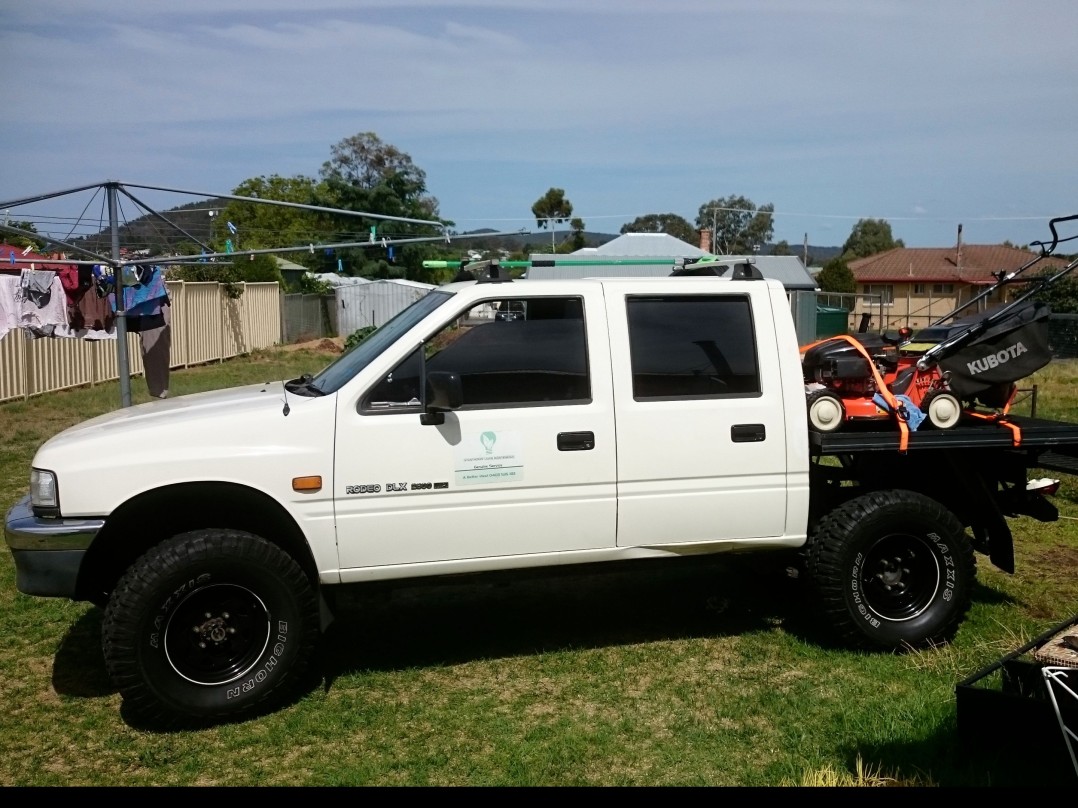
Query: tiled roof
{"points": [[976, 265]]}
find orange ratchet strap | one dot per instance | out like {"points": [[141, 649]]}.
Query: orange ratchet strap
{"points": [[1001, 418]]}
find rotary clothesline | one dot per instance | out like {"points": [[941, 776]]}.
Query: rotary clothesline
{"points": [[79, 301]]}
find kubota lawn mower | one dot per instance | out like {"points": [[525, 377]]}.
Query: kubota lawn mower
{"points": [[976, 363]]}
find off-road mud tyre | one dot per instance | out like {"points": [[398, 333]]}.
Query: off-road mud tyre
{"points": [[891, 570], [209, 626], [942, 409], [826, 412]]}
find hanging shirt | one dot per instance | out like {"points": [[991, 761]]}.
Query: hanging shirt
{"points": [[10, 303], [146, 296], [43, 314]]}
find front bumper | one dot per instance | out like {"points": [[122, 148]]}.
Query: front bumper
{"points": [[47, 552]]}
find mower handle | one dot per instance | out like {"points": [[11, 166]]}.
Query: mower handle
{"points": [[1055, 234]]}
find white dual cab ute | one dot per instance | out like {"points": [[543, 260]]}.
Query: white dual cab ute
{"points": [[613, 420]]}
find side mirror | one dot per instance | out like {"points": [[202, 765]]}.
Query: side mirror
{"points": [[444, 392]]}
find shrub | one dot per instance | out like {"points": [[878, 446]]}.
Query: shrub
{"points": [[358, 336]]}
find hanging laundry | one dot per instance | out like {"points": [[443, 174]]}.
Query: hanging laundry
{"points": [[88, 312], [148, 313], [42, 304], [37, 285], [143, 291], [156, 346], [10, 306]]}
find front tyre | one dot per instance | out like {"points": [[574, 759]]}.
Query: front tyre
{"points": [[892, 570], [207, 626]]}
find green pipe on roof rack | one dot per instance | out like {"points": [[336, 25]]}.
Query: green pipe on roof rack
{"points": [[552, 262]]}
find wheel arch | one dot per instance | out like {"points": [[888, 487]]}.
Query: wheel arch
{"points": [[153, 516], [966, 483]]}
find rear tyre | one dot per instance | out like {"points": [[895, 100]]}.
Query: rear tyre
{"points": [[207, 626], [892, 570], [943, 410], [826, 412]]}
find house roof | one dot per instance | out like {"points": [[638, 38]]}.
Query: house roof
{"points": [[975, 266], [645, 245], [664, 248], [285, 265], [785, 268], [15, 259]]}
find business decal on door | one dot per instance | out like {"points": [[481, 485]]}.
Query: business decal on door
{"points": [[488, 457]]}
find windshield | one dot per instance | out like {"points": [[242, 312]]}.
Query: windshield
{"points": [[336, 374]]}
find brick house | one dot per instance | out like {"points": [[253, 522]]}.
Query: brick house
{"points": [[917, 286]]}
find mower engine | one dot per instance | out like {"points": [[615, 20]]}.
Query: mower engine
{"points": [[838, 365]]}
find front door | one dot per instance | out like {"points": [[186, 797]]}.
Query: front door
{"points": [[527, 464]]}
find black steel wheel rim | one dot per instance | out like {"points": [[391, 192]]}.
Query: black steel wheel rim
{"points": [[900, 577], [217, 634]]}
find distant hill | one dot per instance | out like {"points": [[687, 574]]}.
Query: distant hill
{"points": [[149, 232]]}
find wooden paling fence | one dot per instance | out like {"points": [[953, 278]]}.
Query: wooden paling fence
{"points": [[207, 326]]}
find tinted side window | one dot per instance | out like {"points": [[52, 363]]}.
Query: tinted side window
{"points": [[692, 346], [399, 388], [538, 356]]}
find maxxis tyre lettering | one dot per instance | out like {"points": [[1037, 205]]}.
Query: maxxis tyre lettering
{"points": [[209, 625], [892, 570]]}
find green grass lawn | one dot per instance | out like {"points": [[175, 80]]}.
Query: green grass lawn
{"points": [[707, 673]]}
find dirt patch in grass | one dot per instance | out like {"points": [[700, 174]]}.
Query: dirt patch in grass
{"points": [[324, 345]]}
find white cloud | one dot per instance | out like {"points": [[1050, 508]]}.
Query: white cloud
{"points": [[829, 109]]}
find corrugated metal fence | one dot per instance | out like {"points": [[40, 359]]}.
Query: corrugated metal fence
{"points": [[207, 326], [307, 317], [372, 304], [349, 308]]}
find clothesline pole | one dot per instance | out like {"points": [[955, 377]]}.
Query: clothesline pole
{"points": [[121, 303]]}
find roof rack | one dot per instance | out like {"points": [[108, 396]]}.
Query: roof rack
{"points": [[487, 271], [744, 269]]}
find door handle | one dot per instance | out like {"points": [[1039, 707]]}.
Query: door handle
{"points": [[575, 441], [747, 433]]}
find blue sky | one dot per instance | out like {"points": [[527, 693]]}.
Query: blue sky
{"points": [[926, 114]]}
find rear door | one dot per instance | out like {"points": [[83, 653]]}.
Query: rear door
{"points": [[700, 419]]}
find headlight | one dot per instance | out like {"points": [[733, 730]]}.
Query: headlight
{"points": [[43, 492]]}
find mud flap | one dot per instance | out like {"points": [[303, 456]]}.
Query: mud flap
{"points": [[991, 529], [1000, 540]]}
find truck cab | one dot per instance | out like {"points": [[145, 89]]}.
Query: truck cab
{"points": [[620, 418]]}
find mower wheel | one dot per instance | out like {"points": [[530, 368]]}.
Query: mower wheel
{"points": [[826, 412], [942, 409]]}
